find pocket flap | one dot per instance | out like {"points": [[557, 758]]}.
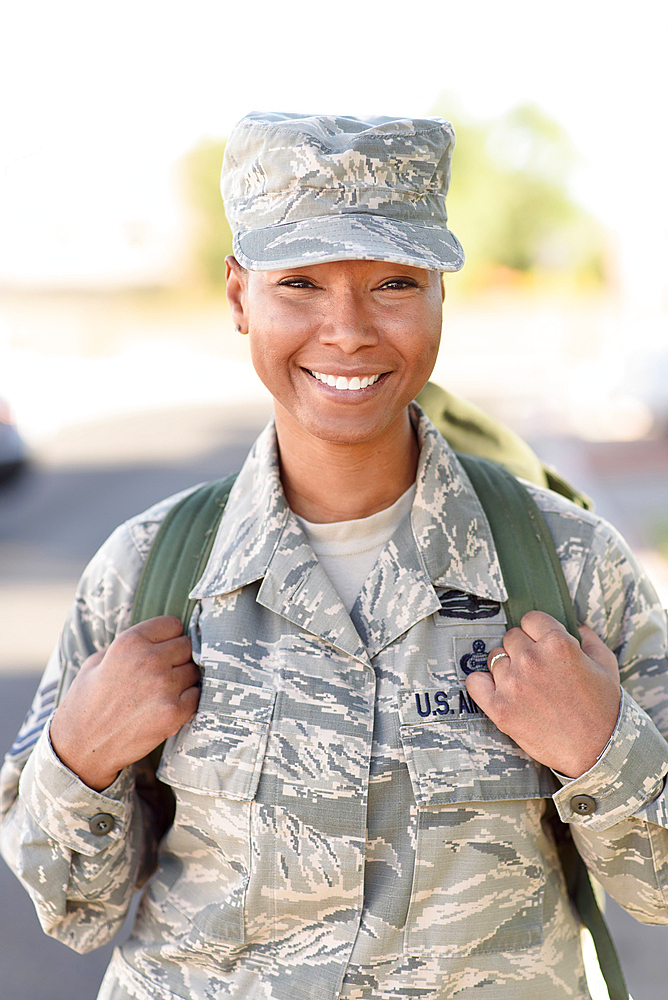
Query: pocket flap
{"points": [[221, 749], [455, 753]]}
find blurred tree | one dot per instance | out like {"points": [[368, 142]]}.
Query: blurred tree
{"points": [[509, 204], [212, 237]]}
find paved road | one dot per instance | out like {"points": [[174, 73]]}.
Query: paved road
{"points": [[52, 521]]}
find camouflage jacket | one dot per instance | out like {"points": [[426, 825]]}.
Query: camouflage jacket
{"points": [[348, 823]]}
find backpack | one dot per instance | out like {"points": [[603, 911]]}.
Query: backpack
{"points": [[184, 541], [469, 429]]}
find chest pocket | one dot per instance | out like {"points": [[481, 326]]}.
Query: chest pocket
{"points": [[479, 876], [221, 749]]}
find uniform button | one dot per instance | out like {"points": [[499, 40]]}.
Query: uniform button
{"points": [[583, 805], [101, 824]]}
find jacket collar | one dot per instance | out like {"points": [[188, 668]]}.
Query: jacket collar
{"points": [[259, 538], [449, 524], [449, 545], [253, 523]]}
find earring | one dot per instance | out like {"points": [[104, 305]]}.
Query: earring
{"points": [[238, 328]]}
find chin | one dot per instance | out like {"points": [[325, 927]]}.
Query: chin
{"points": [[342, 435], [348, 432], [349, 425]]}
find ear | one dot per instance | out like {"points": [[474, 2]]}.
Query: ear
{"points": [[236, 278]]}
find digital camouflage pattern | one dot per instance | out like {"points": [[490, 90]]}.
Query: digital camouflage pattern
{"points": [[349, 824], [304, 190]]}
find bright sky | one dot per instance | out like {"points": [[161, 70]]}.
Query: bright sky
{"points": [[99, 100]]}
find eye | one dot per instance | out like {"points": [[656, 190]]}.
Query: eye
{"points": [[296, 282], [399, 283]]}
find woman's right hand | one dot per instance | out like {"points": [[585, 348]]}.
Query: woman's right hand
{"points": [[126, 700]]}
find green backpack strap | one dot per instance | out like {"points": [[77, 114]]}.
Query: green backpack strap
{"points": [[175, 562], [536, 581], [179, 553]]}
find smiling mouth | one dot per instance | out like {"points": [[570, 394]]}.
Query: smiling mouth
{"points": [[341, 382]]}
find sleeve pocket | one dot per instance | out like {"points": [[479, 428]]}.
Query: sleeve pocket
{"points": [[221, 749]]}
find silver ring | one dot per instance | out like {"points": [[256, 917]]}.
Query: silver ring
{"points": [[497, 656]]}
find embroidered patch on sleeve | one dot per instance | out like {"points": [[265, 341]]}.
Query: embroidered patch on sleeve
{"points": [[29, 733]]}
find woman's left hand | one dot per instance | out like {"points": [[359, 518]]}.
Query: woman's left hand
{"points": [[558, 699]]}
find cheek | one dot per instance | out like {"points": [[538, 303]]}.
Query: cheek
{"points": [[270, 357], [263, 357], [423, 358], [424, 365], [423, 349]]}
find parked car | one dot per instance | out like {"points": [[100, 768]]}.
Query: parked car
{"points": [[13, 452]]}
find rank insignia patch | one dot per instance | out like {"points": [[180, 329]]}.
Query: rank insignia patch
{"points": [[471, 654], [476, 659]]}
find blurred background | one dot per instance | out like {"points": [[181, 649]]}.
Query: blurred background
{"points": [[121, 379]]}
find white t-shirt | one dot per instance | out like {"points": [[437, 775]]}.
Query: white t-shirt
{"points": [[347, 550]]}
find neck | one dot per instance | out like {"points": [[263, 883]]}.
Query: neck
{"points": [[328, 481]]}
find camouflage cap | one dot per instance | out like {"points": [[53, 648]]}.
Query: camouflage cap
{"points": [[305, 190]]}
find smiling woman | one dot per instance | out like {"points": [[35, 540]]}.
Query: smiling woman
{"points": [[343, 347], [362, 808]]}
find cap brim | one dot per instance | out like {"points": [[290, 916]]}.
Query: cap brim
{"points": [[348, 237]]}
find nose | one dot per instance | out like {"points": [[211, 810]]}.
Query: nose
{"points": [[347, 324]]}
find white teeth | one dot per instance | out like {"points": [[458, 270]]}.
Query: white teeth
{"points": [[341, 382]]}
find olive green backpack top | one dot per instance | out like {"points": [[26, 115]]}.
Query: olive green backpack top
{"points": [[469, 429], [492, 456]]}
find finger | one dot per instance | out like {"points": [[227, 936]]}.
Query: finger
{"points": [[596, 650], [495, 655], [188, 702], [175, 651], [93, 660], [480, 685], [187, 675], [537, 624], [159, 629], [514, 641], [179, 710]]}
